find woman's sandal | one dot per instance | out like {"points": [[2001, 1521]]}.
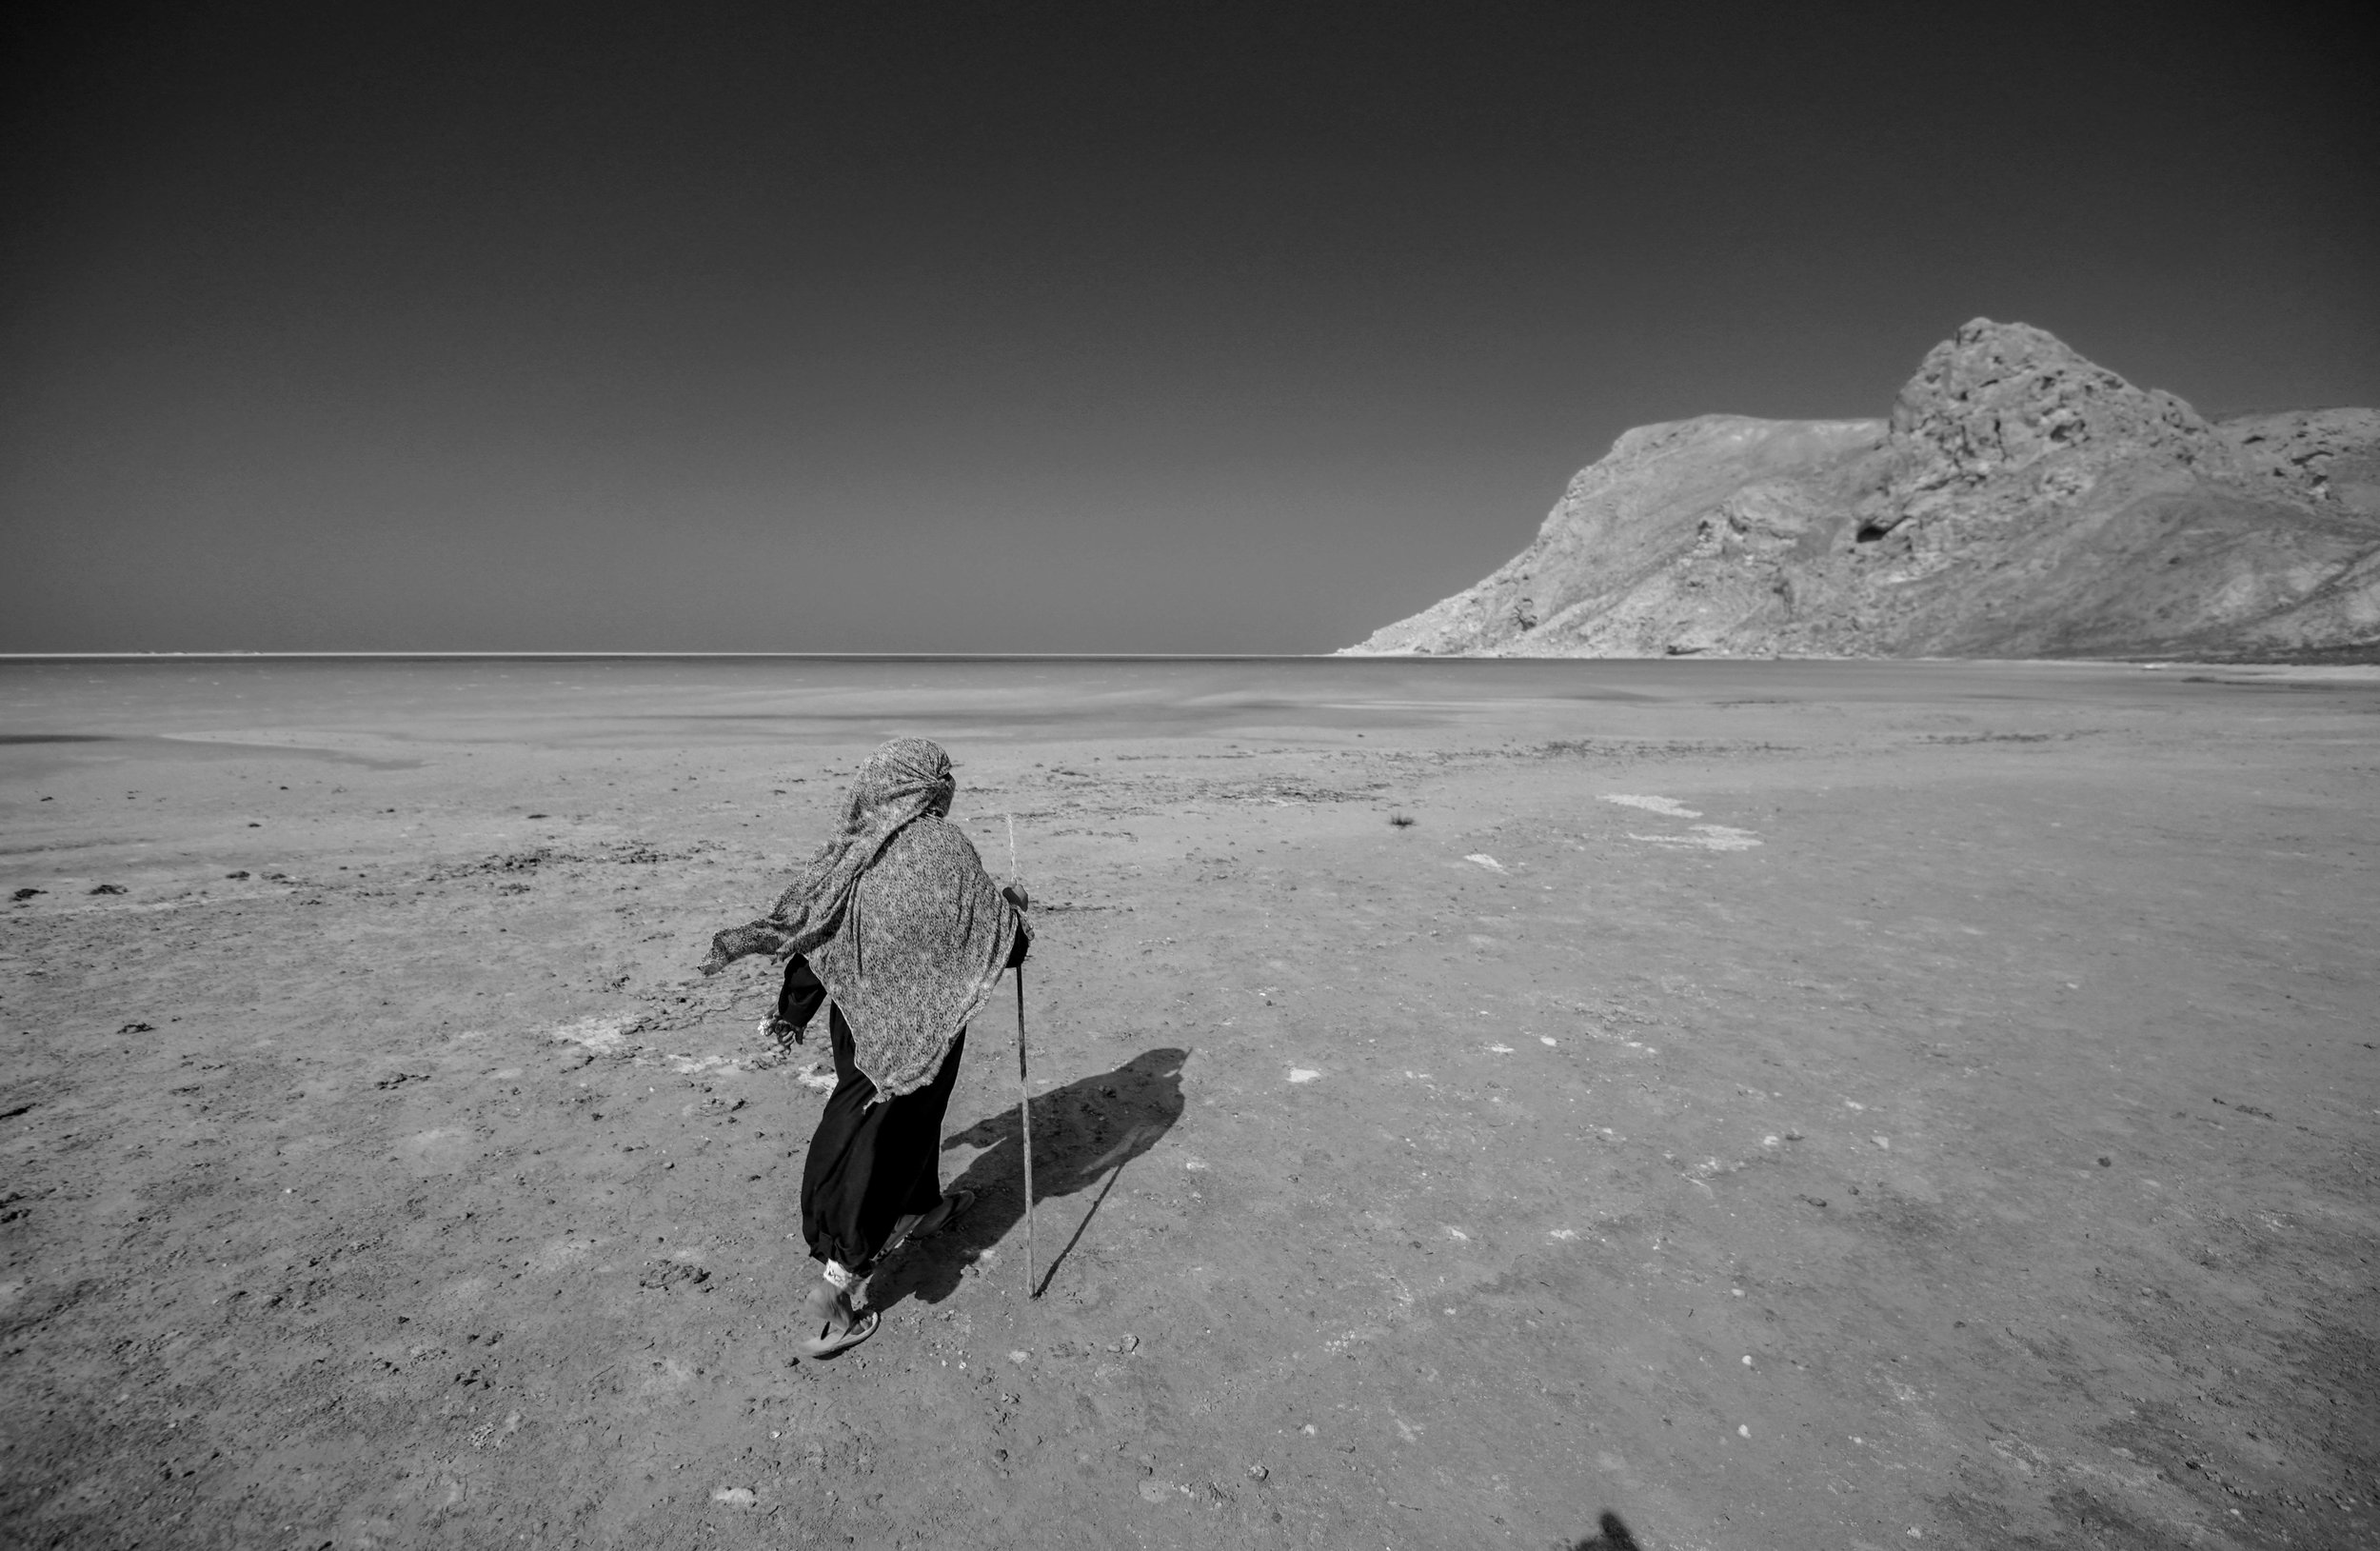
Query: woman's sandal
{"points": [[835, 1334]]}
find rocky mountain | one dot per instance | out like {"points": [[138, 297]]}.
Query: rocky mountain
{"points": [[2019, 502]]}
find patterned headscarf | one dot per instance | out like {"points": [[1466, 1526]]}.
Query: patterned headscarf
{"points": [[896, 915]]}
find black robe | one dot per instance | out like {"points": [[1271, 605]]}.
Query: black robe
{"points": [[869, 1163]]}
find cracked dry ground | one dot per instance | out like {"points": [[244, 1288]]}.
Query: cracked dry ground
{"points": [[1985, 1157]]}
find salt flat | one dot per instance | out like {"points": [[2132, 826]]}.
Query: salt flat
{"points": [[1787, 1103]]}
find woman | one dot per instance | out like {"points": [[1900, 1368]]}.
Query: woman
{"points": [[897, 922]]}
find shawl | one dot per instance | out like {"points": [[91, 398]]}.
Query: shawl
{"points": [[896, 915]]}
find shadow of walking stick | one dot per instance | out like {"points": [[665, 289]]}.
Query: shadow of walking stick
{"points": [[1084, 1135], [1134, 1144]]}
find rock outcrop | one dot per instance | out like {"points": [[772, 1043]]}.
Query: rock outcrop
{"points": [[2019, 502]]}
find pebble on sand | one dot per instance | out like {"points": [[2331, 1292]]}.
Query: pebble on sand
{"points": [[1300, 1074]]}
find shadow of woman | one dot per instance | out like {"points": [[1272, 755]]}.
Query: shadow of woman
{"points": [[1083, 1134]]}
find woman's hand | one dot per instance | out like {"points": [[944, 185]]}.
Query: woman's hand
{"points": [[783, 1033], [1015, 894]]}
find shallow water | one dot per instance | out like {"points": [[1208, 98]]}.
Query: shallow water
{"points": [[147, 707]]}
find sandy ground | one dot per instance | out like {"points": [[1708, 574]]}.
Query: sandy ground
{"points": [[1785, 1121]]}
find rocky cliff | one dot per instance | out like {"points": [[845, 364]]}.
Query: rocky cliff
{"points": [[2019, 502]]}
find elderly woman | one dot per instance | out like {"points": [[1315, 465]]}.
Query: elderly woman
{"points": [[896, 922]]}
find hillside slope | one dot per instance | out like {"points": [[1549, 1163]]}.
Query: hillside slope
{"points": [[2019, 502]]}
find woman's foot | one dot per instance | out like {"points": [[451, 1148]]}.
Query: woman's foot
{"points": [[830, 1324], [925, 1225]]}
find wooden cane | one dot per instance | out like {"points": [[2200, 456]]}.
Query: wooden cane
{"points": [[1024, 1122]]}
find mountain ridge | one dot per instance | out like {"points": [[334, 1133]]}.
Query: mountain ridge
{"points": [[2018, 500]]}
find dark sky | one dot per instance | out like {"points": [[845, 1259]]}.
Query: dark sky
{"points": [[1024, 327]]}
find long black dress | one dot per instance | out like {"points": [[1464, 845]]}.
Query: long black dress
{"points": [[869, 1164]]}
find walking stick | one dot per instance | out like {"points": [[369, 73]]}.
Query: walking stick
{"points": [[1024, 1122], [1024, 1094]]}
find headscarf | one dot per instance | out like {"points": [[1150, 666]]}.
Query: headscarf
{"points": [[896, 915]]}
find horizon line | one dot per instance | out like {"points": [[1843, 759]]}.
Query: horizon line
{"points": [[240, 655]]}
